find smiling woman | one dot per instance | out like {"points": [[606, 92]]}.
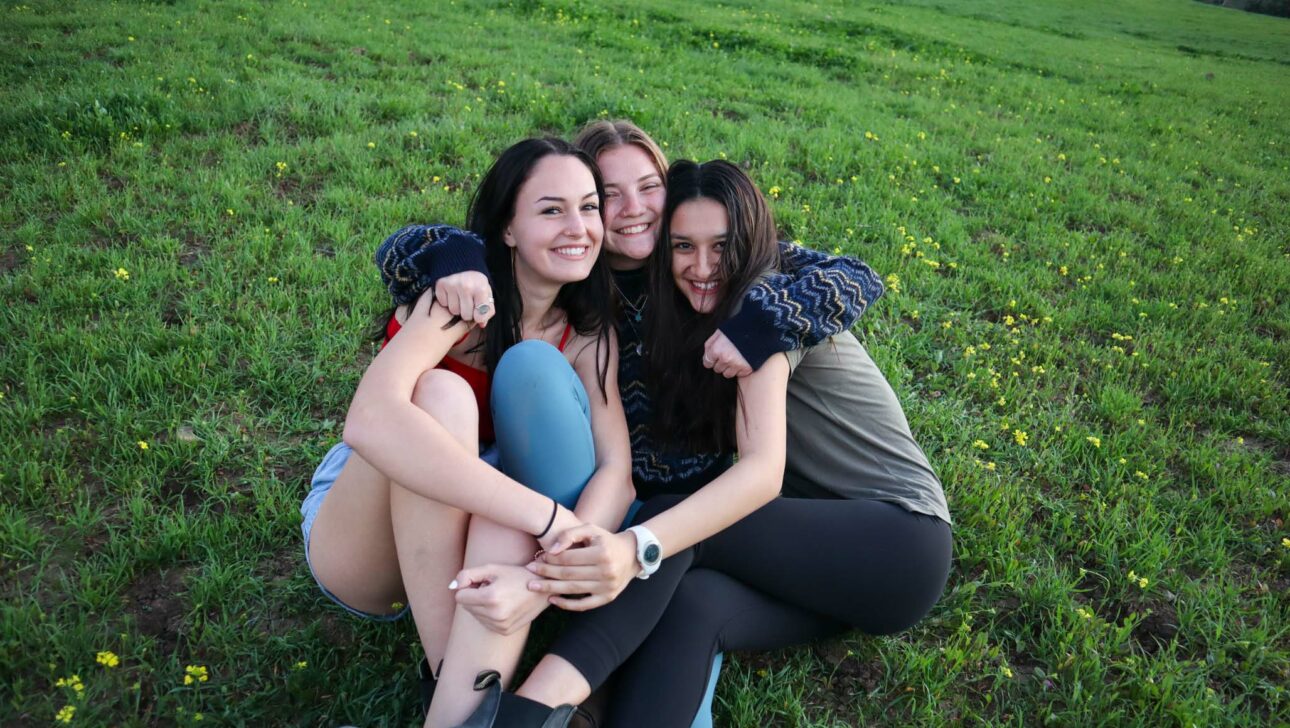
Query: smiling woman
{"points": [[461, 448], [830, 517]]}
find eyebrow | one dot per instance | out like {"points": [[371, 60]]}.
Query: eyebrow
{"points": [[718, 238], [642, 179], [548, 198]]}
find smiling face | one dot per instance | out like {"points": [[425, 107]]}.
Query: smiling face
{"points": [[698, 236], [556, 228], [634, 199]]}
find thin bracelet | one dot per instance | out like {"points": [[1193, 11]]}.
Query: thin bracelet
{"points": [[555, 508]]}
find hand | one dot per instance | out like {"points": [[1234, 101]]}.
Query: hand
{"points": [[463, 293], [498, 596], [724, 358], [564, 521], [586, 560]]}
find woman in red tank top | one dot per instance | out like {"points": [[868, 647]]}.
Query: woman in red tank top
{"points": [[410, 498]]}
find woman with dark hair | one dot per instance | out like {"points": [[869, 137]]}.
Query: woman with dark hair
{"points": [[810, 297], [829, 519], [464, 445]]}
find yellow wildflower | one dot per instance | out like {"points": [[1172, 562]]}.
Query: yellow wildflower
{"points": [[774, 191], [1020, 437], [372, 145], [143, 444], [107, 658], [981, 444], [1006, 672], [195, 673], [990, 465], [65, 714], [302, 664], [1096, 441], [121, 274]]}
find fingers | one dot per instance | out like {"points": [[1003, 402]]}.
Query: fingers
{"points": [[441, 294], [460, 307], [584, 554], [551, 586], [590, 572], [582, 604], [473, 577], [710, 357], [567, 539]]}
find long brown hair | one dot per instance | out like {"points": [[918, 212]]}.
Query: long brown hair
{"points": [[694, 408]]}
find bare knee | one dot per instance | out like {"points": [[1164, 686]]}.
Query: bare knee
{"points": [[450, 400]]}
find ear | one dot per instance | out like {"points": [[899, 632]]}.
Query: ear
{"points": [[508, 238]]}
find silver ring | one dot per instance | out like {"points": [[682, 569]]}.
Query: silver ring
{"points": [[483, 309], [708, 362]]}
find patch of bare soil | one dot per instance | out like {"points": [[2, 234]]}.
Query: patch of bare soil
{"points": [[156, 602]]}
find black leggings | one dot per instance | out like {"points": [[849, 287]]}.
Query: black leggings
{"points": [[793, 571]]}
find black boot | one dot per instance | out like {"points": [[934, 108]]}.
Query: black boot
{"points": [[425, 676], [507, 710]]}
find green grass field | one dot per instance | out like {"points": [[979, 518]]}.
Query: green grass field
{"points": [[1081, 210]]}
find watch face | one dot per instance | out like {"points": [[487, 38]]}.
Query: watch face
{"points": [[651, 553]]}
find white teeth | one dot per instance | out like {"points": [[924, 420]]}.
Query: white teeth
{"points": [[572, 251], [633, 229], [710, 285]]}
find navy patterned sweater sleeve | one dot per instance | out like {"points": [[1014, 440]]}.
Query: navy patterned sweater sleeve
{"points": [[812, 297], [433, 252]]}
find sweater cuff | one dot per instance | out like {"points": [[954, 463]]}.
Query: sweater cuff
{"points": [[457, 256], [752, 331]]}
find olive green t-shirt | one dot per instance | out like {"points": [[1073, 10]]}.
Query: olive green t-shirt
{"points": [[848, 436]]}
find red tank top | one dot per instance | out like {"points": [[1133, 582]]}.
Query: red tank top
{"points": [[478, 379]]}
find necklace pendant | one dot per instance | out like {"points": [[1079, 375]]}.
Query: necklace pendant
{"points": [[639, 351], [638, 318]]}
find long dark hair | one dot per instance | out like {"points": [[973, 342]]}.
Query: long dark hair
{"points": [[694, 408], [586, 303]]}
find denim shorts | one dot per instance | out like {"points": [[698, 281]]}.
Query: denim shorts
{"points": [[324, 477]]}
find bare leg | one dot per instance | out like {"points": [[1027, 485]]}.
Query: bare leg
{"points": [[351, 546], [471, 646], [554, 681], [430, 536], [375, 543]]}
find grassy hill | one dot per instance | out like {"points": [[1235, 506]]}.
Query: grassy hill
{"points": [[1081, 210]]}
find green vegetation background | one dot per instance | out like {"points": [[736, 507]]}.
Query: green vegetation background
{"points": [[1082, 212]]}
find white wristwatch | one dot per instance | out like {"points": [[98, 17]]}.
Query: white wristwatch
{"points": [[649, 552]]}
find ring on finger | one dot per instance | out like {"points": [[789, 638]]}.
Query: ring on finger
{"points": [[483, 309]]}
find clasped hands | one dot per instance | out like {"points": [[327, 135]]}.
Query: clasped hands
{"points": [[581, 568]]}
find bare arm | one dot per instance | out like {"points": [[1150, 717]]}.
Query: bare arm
{"points": [[382, 420], [609, 493], [590, 560], [750, 483]]}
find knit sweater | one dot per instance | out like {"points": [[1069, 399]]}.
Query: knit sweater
{"points": [[812, 297]]}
